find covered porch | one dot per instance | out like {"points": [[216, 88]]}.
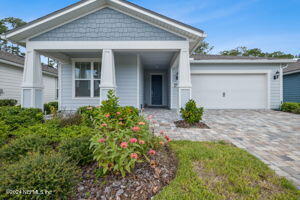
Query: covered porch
{"points": [[150, 77]]}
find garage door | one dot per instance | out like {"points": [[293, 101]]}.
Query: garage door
{"points": [[230, 91]]}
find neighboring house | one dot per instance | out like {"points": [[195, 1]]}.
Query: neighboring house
{"points": [[11, 76], [146, 57], [291, 83]]}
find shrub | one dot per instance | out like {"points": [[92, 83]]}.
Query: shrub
{"points": [[296, 111], [124, 138], [48, 106], [16, 117], [8, 102], [77, 150], [39, 172], [191, 113], [4, 133], [119, 150], [87, 113], [290, 107], [19, 147], [52, 130], [70, 120]]}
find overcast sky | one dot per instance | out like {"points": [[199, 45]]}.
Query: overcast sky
{"points": [[271, 25]]}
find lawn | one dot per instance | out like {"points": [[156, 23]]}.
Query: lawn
{"points": [[221, 171]]}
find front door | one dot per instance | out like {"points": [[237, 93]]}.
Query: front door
{"points": [[156, 90]]}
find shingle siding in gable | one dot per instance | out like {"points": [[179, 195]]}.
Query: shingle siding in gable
{"points": [[291, 88], [107, 25]]}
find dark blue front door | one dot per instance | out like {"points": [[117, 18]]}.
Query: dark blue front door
{"points": [[156, 87]]}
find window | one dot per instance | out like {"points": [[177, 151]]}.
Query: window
{"points": [[87, 79]]}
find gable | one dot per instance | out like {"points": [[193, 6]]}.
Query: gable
{"points": [[107, 25]]}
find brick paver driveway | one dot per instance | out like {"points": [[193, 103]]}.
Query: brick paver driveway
{"points": [[272, 136]]}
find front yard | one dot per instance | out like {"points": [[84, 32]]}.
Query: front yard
{"points": [[110, 152]]}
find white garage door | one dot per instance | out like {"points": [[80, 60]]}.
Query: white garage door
{"points": [[230, 91]]}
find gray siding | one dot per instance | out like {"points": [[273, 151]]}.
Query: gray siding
{"points": [[106, 25], [67, 101], [11, 80], [185, 95], [126, 77], [275, 98], [291, 88]]}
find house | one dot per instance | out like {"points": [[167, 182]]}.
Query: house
{"points": [[291, 83], [147, 58], [11, 75]]}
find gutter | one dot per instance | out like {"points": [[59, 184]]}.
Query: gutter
{"points": [[241, 61]]}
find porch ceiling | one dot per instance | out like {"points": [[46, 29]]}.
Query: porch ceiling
{"points": [[156, 60]]}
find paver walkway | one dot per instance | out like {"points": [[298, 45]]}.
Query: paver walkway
{"points": [[272, 136]]}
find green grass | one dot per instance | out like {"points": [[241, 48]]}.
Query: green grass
{"points": [[220, 171]]}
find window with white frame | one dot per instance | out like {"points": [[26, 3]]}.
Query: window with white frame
{"points": [[87, 79]]}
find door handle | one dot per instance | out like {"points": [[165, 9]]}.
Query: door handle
{"points": [[224, 94]]}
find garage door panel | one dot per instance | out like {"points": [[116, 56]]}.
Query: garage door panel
{"points": [[230, 91]]}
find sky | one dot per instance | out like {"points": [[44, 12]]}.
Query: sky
{"points": [[271, 25]]}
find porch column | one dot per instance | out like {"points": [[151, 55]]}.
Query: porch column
{"points": [[32, 85], [108, 74], [184, 78]]}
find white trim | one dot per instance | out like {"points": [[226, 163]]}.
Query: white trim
{"points": [[292, 72], [162, 87], [194, 32], [122, 4], [49, 18], [91, 60], [171, 91], [59, 86], [266, 72], [281, 84], [117, 45], [64, 23], [138, 80], [244, 61]]}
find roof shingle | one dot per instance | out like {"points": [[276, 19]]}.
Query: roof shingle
{"points": [[20, 60], [293, 67]]}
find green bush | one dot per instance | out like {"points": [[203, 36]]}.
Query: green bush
{"points": [[40, 172], [296, 111], [4, 133], [70, 120], [51, 129], [47, 107], [124, 138], [19, 147], [16, 117], [8, 102], [77, 150], [87, 113], [290, 107], [191, 113]]}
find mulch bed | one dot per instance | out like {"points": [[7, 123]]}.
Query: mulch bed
{"points": [[145, 181], [184, 124]]}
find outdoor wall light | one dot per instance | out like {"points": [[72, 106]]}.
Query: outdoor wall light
{"points": [[276, 76]]}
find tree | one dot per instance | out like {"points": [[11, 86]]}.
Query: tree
{"points": [[7, 24], [203, 48], [255, 52]]}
